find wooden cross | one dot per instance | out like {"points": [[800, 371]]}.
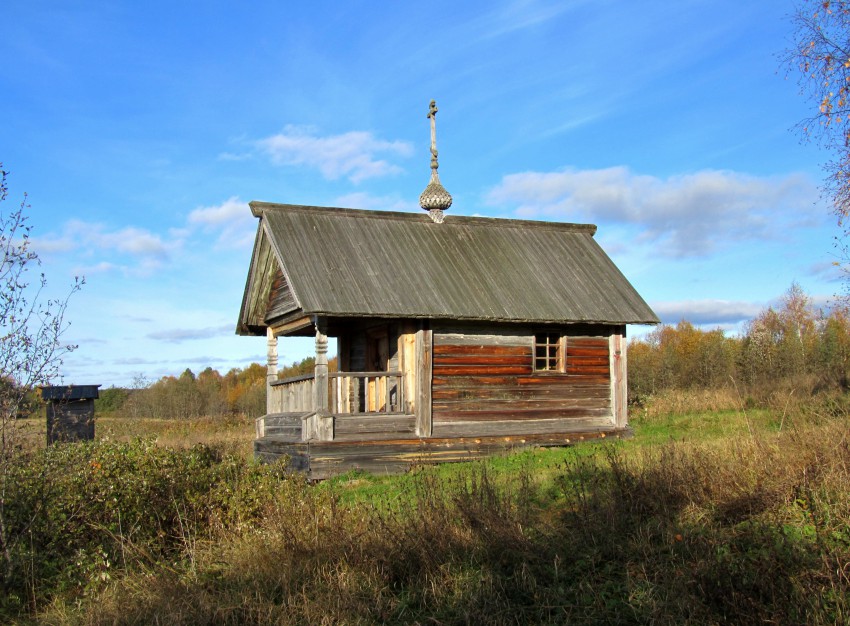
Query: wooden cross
{"points": [[432, 115]]}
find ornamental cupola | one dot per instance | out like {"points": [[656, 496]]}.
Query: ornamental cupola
{"points": [[434, 199]]}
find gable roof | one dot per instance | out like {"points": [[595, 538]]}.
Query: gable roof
{"points": [[353, 263]]}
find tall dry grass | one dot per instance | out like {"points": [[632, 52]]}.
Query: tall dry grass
{"points": [[235, 432], [752, 529]]}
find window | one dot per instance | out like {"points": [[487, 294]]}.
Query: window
{"points": [[549, 352]]}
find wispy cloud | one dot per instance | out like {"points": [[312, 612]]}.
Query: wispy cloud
{"points": [[177, 335], [134, 251], [203, 360], [98, 268], [354, 154], [132, 240], [138, 319], [137, 361], [232, 156], [828, 271], [232, 218], [518, 15], [718, 313], [689, 215], [91, 340], [227, 212], [142, 250], [362, 200]]}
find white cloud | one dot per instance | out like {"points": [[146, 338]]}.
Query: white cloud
{"points": [[132, 240], [232, 217], [205, 360], [716, 313], [230, 156], [176, 335], [52, 244], [681, 216], [353, 154], [137, 361], [145, 250], [229, 211], [97, 268]]}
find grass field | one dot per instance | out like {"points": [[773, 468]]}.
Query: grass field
{"points": [[727, 516], [235, 433]]}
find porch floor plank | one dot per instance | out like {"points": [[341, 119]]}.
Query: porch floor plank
{"points": [[323, 459]]}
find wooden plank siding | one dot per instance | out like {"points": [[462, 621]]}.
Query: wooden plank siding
{"points": [[373, 427], [619, 382], [281, 299], [486, 384]]}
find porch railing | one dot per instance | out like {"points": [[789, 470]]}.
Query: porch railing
{"points": [[366, 392], [292, 395], [348, 392]]}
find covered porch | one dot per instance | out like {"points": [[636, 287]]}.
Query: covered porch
{"points": [[387, 403]]}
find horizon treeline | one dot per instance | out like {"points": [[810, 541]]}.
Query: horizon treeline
{"points": [[239, 392], [794, 346]]}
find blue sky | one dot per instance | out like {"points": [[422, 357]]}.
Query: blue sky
{"points": [[141, 131]]}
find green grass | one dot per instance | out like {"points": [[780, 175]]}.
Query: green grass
{"points": [[546, 463], [702, 426]]}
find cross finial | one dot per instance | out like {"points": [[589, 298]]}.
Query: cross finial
{"points": [[435, 199], [432, 115]]}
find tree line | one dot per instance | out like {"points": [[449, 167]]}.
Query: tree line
{"points": [[793, 343], [239, 392]]}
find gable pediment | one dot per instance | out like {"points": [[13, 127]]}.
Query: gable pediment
{"points": [[268, 294]]}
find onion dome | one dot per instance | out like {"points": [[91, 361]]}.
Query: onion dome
{"points": [[434, 199]]}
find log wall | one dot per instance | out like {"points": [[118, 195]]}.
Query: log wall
{"points": [[485, 383]]}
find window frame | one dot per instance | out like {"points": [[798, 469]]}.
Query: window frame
{"points": [[554, 361]]}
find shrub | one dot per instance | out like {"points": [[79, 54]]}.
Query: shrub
{"points": [[84, 511]]}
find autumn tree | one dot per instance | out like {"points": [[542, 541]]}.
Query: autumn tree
{"points": [[209, 394], [784, 342], [680, 357], [820, 57], [209, 384], [31, 350]]}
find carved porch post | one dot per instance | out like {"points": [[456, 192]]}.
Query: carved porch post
{"points": [[324, 421], [272, 404]]}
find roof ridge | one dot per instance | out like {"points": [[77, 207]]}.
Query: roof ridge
{"points": [[260, 207]]}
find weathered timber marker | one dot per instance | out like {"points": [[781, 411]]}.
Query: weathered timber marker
{"points": [[70, 412]]}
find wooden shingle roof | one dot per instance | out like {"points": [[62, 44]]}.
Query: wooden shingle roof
{"points": [[352, 263]]}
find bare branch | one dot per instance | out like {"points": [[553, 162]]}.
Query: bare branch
{"points": [[31, 351]]}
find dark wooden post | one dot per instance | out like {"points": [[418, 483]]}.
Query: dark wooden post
{"points": [[70, 412], [423, 365]]}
